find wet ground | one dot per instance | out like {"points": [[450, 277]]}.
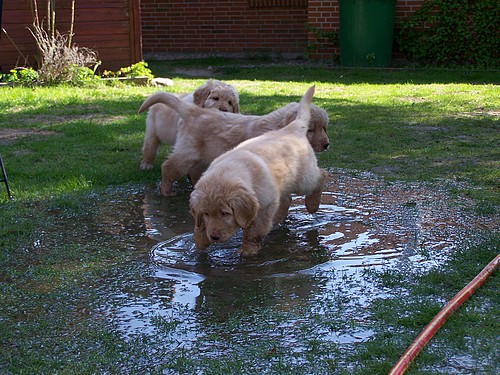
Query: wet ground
{"points": [[362, 222], [310, 280]]}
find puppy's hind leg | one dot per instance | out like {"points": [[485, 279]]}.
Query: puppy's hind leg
{"points": [[177, 165], [282, 212], [149, 149], [196, 172], [313, 200]]}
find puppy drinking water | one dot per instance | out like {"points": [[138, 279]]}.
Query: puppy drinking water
{"points": [[250, 186]]}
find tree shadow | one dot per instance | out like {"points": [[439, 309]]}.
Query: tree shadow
{"points": [[306, 71]]}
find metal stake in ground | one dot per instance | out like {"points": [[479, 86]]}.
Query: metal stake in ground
{"points": [[4, 178]]}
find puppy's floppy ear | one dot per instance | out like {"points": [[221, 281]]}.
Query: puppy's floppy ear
{"points": [[199, 235], [244, 204], [235, 99], [202, 93], [236, 108], [318, 116]]}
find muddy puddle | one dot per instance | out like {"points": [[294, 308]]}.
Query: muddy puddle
{"points": [[363, 224], [309, 281]]}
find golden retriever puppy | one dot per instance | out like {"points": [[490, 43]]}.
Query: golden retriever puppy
{"points": [[205, 134], [162, 122], [250, 186]]}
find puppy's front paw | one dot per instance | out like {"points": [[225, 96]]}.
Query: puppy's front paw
{"points": [[249, 249], [200, 239], [145, 166], [167, 191], [312, 202]]}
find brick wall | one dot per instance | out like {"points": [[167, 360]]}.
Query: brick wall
{"points": [[185, 26], [323, 16], [244, 26]]}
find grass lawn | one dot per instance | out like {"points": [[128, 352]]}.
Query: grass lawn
{"points": [[66, 251]]}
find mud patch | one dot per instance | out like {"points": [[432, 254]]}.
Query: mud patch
{"points": [[195, 72], [10, 135], [480, 112], [53, 119]]}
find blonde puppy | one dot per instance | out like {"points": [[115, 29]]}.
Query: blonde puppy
{"points": [[250, 186], [162, 122], [205, 134]]}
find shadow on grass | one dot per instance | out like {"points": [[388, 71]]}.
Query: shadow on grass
{"points": [[100, 141], [309, 72]]}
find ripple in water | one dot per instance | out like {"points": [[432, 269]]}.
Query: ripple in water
{"points": [[363, 223]]}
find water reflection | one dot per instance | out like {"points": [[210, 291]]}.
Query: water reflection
{"points": [[362, 224], [187, 289]]}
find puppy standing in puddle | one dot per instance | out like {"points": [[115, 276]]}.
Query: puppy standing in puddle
{"points": [[250, 186]]}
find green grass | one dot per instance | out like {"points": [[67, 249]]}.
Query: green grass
{"points": [[472, 332], [401, 130], [434, 126]]}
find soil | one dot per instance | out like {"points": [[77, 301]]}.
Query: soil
{"points": [[9, 135]]}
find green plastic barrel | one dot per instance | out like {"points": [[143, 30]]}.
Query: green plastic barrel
{"points": [[366, 30]]}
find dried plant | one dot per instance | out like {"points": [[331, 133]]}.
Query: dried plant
{"points": [[59, 58]]}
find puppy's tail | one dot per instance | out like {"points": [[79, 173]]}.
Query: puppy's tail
{"points": [[303, 118], [170, 100]]}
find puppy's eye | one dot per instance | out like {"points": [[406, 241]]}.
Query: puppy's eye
{"points": [[310, 130], [230, 103], [226, 213], [216, 98]]}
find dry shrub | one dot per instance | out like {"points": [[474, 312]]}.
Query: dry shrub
{"points": [[59, 58]]}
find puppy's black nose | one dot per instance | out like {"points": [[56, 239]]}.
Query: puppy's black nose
{"points": [[214, 237], [223, 109], [326, 146]]}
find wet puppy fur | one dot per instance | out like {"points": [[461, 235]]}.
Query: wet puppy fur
{"points": [[204, 134], [162, 122], [250, 186]]}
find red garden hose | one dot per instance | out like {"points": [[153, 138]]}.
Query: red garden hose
{"points": [[424, 337]]}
